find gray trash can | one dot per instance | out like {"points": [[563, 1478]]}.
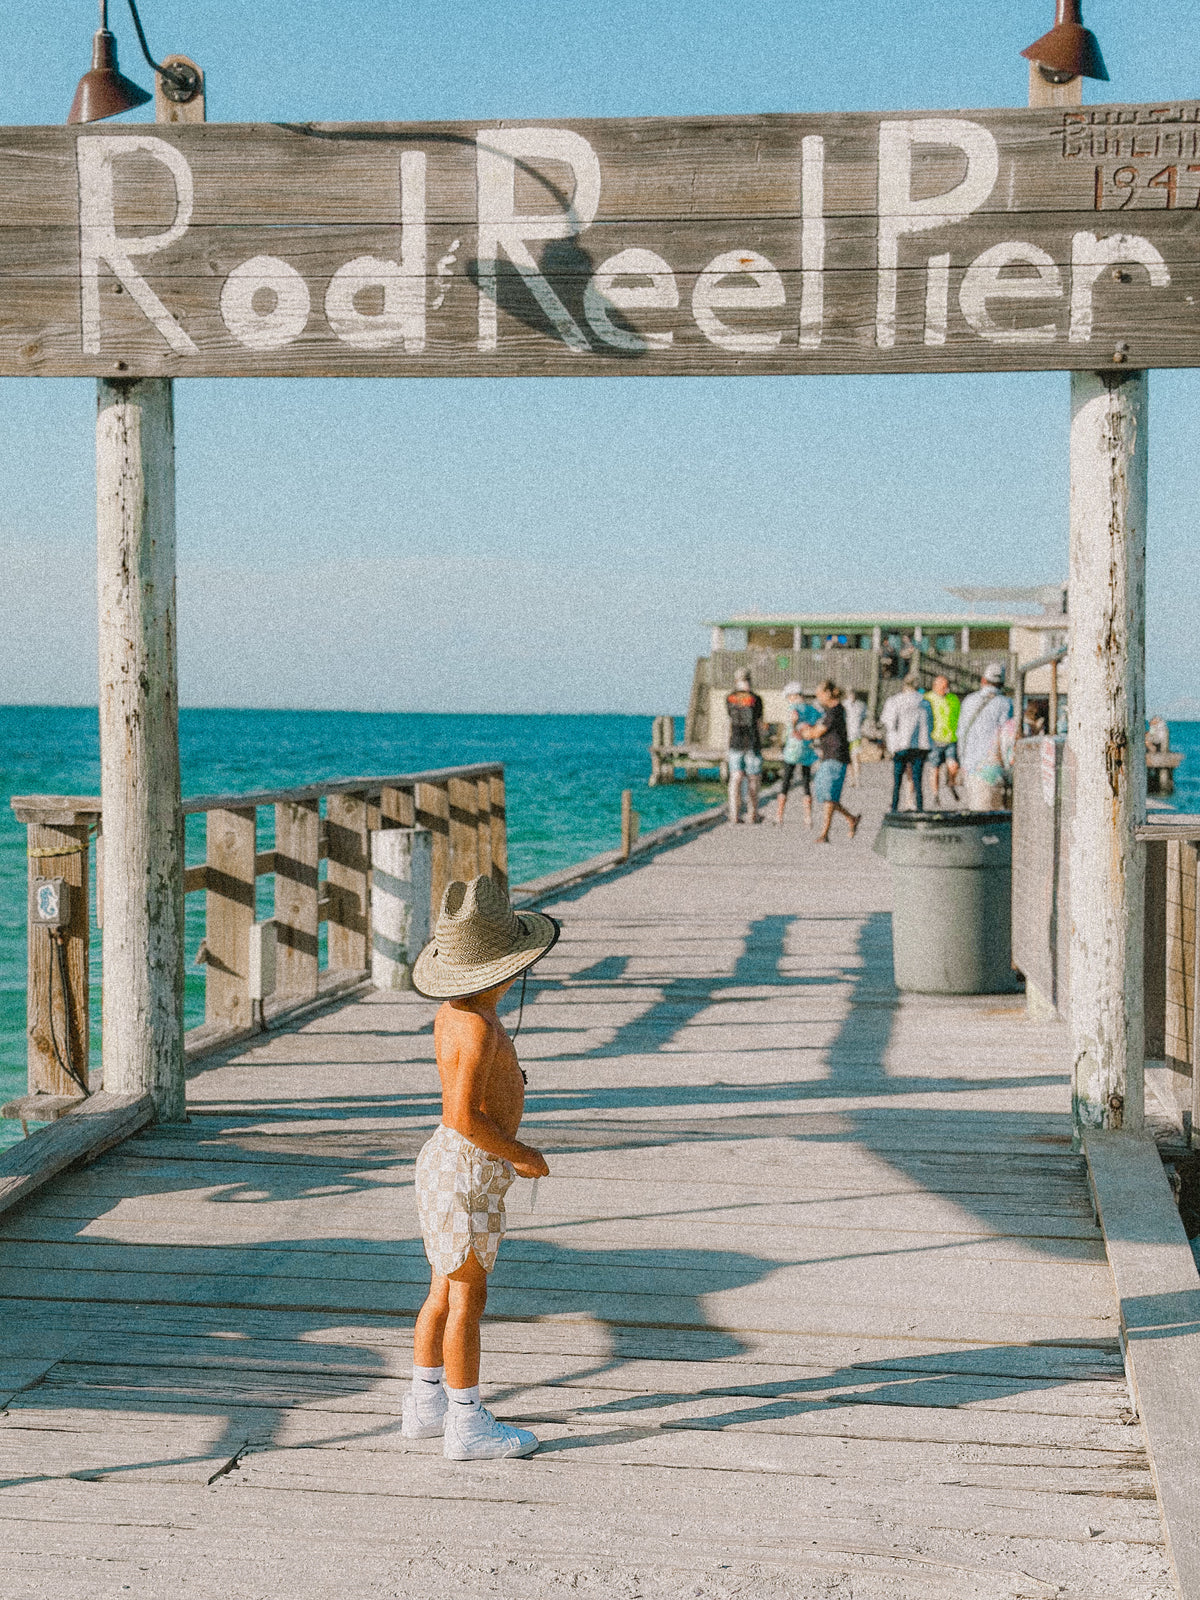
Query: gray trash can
{"points": [[951, 900]]}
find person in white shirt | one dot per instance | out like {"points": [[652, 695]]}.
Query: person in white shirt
{"points": [[908, 725], [856, 715], [981, 731]]}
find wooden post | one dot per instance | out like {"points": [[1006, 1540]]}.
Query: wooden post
{"points": [[401, 859], [348, 882], [57, 834], [228, 914], [139, 743], [499, 830], [297, 895], [629, 824], [142, 937], [1052, 715], [1106, 691]]}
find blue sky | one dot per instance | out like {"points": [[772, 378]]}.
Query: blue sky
{"points": [[555, 544]]}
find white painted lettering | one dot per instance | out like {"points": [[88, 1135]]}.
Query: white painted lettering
{"points": [[605, 294], [501, 230], [401, 317], [812, 241], [95, 155], [1090, 256], [265, 303], [982, 282], [937, 299], [900, 212], [713, 294]]}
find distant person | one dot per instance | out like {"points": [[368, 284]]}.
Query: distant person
{"points": [[908, 651], [889, 660], [833, 746], [984, 735], [943, 752], [745, 712], [856, 715], [1158, 735], [799, 755], [908, 727]]}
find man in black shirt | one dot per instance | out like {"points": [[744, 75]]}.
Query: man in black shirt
{"points": [[745, 712], [834, 744]]}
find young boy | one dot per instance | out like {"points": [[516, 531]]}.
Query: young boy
{"points": [[479, 948]]}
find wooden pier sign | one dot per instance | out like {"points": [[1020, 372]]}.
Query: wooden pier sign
{"points": [[972, 241]]}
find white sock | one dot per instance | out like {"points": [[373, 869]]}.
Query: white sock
{"points": [[464, 1397], [431, 1375]]}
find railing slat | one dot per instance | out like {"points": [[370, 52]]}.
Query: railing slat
{"points": [[433, 812], [498, 820], [297, 827], [347, 882], [464, 838], [229, 912]]}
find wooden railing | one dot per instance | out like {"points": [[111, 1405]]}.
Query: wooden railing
{"points": [[458, 813]]}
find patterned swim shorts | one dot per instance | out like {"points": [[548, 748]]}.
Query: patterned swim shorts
{"points": [[460, 1201]]}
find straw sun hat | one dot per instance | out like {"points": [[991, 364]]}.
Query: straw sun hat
{"points": [[479, 942]]}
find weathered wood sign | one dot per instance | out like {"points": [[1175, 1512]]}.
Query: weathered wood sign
{"points": [[844, 243]]}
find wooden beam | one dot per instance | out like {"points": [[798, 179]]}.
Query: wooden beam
{"points": [[297, 890], [368, 787], [348, 882], [98, 1124], [1106, 667], [229, 912], [139, 743]]}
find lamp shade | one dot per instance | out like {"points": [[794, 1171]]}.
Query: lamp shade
{"points": [[103, 91], [1069, 47]]}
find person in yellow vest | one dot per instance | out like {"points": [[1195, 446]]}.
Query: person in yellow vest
{"points": [[944, 752]]}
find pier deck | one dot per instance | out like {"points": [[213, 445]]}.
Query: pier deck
{"points": [[813, 1304]]}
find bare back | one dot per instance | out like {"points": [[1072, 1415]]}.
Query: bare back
{"points": [[478, 1068]]}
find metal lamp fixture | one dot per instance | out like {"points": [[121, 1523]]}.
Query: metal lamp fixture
{"points": [[104, 91], [1069, 50]]}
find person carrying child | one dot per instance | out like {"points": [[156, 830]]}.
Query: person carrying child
{"points": [[480, 947], [799, 755]]}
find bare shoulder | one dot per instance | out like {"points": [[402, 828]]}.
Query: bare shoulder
{"points": [[459, 1032]]}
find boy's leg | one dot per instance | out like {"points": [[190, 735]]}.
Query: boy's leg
{"points": [[467, 1298], [735, 794], [897, 779], [431, 1324], [753, 782], [827, 810]]}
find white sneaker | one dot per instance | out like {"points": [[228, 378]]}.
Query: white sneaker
{"points": [[424, 1414], [473, 1434]]}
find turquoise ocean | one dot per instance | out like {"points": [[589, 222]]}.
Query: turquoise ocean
{"points": [[564, 777]]}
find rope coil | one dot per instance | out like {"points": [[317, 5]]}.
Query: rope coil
{"points": [[57, 850]]}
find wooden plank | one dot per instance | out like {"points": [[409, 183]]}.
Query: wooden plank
{"points": [[433, 812], [57, 1024], [1155, 1276], [464, 836], [96, 1126], [398, 806], [297, 891], [668, 218], [348, 882], [229, 913]]}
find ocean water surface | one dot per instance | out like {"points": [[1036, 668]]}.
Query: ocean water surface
{"points": [[564, 777]]}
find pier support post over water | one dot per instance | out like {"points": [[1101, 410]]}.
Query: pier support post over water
{"points": [[142, 1046], [1106, 743]]}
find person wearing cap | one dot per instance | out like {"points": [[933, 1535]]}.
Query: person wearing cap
{"points": [[799, 755], [983, 728], [745, 711], [480, 946]]}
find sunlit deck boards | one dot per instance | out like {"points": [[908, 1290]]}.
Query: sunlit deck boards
{"points": [[814, 1303]]}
